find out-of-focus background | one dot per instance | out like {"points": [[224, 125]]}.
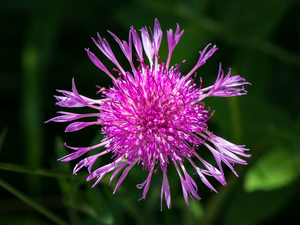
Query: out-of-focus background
{"points": [[42, 47]]}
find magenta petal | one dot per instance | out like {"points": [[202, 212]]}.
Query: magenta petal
{"points": [[99, 64], [172, 42], [72, 156], [203, 57], [126, 48], [89, 148], [103, 45], [191, 186], [184, 192], [227, 86], [205, 181], [202, 177], [87, 162], [146, 183], [157, 36], [70, 116], [73, 99], [124, 174], [121, 166], [96, 61], [78, 126], [165, 189], [69, 102], [137, 43], [100, 172], [147, 43]]}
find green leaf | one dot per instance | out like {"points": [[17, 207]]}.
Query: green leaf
{"points": [[90, 202], [100, 209], [38, 207], [68, 187], [196, 209], [279, 166], [13, 218], [60, 151], [274, 170], [41, 172]]}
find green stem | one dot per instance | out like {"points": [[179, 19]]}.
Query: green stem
{"points": [[2, 136], [32, 203], [41, 172], [235, 119]]}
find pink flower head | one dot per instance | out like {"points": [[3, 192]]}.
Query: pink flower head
{"points": [[154, 116]]}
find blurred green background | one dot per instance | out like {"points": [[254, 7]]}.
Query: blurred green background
{"points": [[42, 48]]}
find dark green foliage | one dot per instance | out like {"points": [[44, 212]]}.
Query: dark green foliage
{"points": [[42, 48]]}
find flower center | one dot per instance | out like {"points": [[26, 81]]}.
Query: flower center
{"points": [[153, 120]]}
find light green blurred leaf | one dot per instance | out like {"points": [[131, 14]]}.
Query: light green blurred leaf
{"points": [[274, 170], [192, 214], [100, 209], [197, 210], [279, 166]]}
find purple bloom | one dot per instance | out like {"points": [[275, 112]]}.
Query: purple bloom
{"points": [[154, 115]]}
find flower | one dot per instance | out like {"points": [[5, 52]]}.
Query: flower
{"points": [[153, 116]]}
